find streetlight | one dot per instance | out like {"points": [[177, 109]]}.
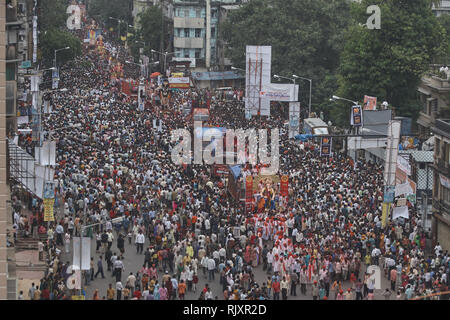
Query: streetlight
{"points": [[310, 90], [339, 98], [165, 54], [66, 48], [281, 77], [237, 69], [119, 21]]}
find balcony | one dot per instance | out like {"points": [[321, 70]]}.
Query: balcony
{"points": [[188, 43], [194, 23]]}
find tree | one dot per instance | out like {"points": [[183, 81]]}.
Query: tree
{"points": [[55, 39], [118, 9], [388, 63], [52, 14], [305, 35], [151, 21]]}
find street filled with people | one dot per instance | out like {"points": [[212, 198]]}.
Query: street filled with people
{"points": [[191, 237]]}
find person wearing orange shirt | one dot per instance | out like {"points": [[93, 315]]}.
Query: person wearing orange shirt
{"points": [[181, 289]]}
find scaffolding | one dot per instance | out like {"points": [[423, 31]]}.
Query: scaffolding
{"points": [[253, 86]]}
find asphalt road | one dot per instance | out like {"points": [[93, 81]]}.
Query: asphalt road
{"points": [[133, 262]]}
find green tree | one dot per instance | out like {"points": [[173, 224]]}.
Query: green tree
{"points": [[444, 49], [52, 14], [150, 31], [305, 35], [55, 39], [118, 9], [388, 63]]}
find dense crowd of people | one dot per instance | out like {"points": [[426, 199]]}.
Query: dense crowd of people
{"points": [[113, 161]]}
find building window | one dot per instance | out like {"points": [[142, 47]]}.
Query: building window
{"points": [[213, 32], [198, 12], [186, 33], [198, 33], [198, 53]]}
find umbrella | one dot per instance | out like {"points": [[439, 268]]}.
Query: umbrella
{"points": [[155, 74]]}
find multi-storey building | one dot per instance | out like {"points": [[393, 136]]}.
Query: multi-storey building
{"points": [[196, 30], [434, 94], [443, 8], [8, 18], [441, 185]]}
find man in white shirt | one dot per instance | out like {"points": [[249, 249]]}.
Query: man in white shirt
{"points": [[140, 239]]}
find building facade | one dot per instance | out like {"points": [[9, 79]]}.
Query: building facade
{"points": [[441, 185], [7, 275], [434, 94], [443, 8], [196, 30]]}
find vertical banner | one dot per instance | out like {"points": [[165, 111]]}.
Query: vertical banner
{"points": [[85, 253], [284, 186], [48, 210], [294, 119], [248, 192], [385, 214], [325, 147], [55, 79], [370, 103], [357, 118]]}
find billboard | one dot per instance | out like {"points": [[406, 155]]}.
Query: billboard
{"points": [[370, 103], [279, 92], [179, 82]]}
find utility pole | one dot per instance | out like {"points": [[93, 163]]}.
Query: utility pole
{"points": [[161, 44]]}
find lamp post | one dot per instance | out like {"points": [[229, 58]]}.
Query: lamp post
{"points": [[165, 54], [310, 90], [119, 21], [65, 48], [281, 77], [237, 69]]}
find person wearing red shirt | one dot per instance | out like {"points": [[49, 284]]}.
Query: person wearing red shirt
{"points": [[276, 289]]}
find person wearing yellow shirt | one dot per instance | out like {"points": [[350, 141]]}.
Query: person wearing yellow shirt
{"points": [[186, 260], [190, 251], [110, 292]]}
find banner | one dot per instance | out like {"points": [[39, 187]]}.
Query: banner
{"points": [[179, 82], [385, 213], [284, 186], [325, 147], [48, 210], [400, 212], [279, 92], [357, 118], [55, 79], [85, 253], [370, 103], [404, 188], [403, 165], [248, 192], [389, 194], [444, 181]]}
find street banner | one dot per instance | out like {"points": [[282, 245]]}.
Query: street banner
{"points": [[357, 117], [126, 87], [444, 181], [78, 297], [403, 189], [279, 92], [400, 212], [325, 147], [248, 192], [55, 79], [179, 82], [389, 194], [403, 164], [47, 154], [385, 213], [85, 254], [48, 210], [284, 186], [370, 103]]}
